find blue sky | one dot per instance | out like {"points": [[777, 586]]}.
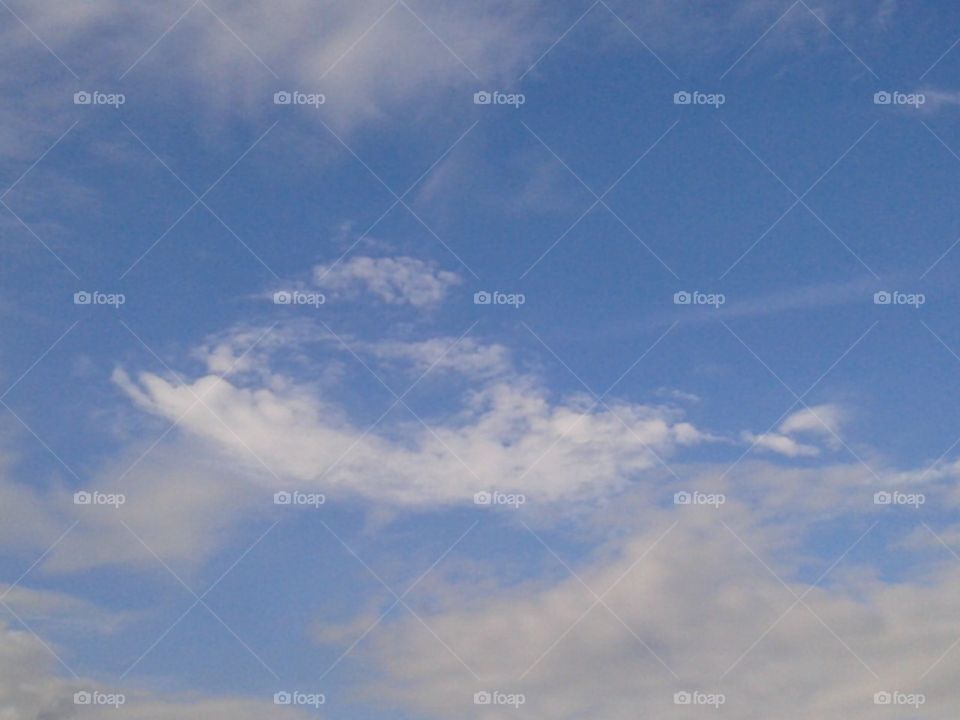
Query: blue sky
{"points": [[288, 298]]}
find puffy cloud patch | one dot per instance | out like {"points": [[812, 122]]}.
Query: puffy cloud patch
{"points": [[685, 607]]}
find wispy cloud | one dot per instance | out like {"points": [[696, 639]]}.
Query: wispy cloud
{"points": [[393, 280]]}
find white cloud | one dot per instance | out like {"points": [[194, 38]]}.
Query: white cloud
{"points": [[178, 500], [939, 99], [819, 419], [508, 435], [153, 708], [31, 688], [397, 281], [781, 444], [465, 356], [28, 687], [43, 608], [702, 603], [676, 395], [319, 46], [504, 431]]}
